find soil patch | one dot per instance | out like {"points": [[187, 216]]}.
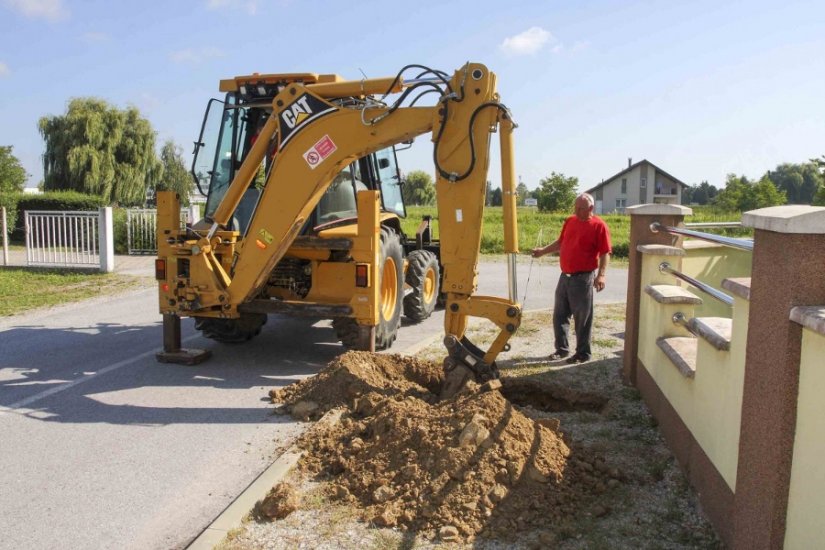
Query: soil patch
{"points": [[452, 469]]}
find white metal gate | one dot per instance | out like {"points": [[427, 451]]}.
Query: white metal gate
{"points": [[141, 228], [62, 238]]}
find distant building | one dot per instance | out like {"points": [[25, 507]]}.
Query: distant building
{"points": [[32, 191], [640, 183]]}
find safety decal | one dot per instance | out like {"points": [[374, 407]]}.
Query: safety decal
{"points": [[266, 236], [301, 112], [318, 152]]}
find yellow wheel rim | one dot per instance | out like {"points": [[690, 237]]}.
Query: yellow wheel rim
{"points": [[429, 286], [389, 290]]}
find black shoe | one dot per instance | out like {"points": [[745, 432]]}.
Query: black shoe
{"points": [[558, 355], [577, 359]]}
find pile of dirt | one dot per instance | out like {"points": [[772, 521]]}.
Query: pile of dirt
{"points": [[456, 468]]}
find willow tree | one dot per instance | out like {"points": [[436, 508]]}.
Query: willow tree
{"points": [[98, 149]]}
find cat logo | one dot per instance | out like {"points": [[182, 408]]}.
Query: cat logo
{"points": [[301, 112]]}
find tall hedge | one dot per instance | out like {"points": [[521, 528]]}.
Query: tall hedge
{"points": [[62, 201], [9, 200]]}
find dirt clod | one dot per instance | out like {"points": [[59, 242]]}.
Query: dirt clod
{"points": [[455, 467], [281, 501]]}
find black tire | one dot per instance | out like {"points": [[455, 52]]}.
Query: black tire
{"points": [[231, 331], [424, 276], [391, 293]]}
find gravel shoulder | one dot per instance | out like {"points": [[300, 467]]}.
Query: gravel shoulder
{"points": [[651, 507]]}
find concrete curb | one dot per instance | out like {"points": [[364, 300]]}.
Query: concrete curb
{"points": [[232, 517]]}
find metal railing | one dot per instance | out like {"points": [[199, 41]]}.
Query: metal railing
{"points": [[664, 267], [708, 225], [680, 319], [141, 229], [741, 244], [62, 238]]}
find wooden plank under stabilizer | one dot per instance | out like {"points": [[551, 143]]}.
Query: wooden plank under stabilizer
{"points": [[297, 309], [172, 352]]}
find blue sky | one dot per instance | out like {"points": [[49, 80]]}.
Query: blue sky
{"points": [[701, 89]]}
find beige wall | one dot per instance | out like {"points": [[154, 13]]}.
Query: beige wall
{"points": [[806, 498], [711, 264], [612, 191], [710, 403]]}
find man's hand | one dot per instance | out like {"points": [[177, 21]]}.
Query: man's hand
{"points": [[537, 252], [598, 283]]}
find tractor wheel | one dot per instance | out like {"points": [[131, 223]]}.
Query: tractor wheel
{"points": [[423, 276], [390, 294], [231, 331]]}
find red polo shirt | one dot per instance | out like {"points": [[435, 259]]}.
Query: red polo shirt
{"points": [[582, 242]]}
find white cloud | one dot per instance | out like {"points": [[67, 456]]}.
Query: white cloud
{"points": [[4, 70], [195, 56], [249, 6], [53, 10], [95, 37], [527, 42]]}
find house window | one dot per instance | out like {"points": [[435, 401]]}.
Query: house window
{"points": [[624, 186], [643, 183], [621, 203]]}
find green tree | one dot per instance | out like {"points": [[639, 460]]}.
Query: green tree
{"points": [[98, 149], [521, 193], [495, 197], [741, 194], [800, 182], [173, 174], [12, 174], [557, 193], [418, 189]]}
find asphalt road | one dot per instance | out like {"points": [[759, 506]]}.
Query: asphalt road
{"points": [[103, 447]]}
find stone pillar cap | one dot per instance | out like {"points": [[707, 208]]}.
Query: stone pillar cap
{"points": [[791, 218], [659, 210]]}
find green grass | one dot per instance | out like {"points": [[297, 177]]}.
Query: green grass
{"points": [[540, 228], [22, 289]]}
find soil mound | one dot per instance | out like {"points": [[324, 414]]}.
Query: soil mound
{"points": [[472, 464]]}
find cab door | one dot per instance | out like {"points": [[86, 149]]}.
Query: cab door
{"points": [[386, 166]]}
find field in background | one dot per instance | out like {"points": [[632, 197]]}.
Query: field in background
{"points": [[540, 228]]}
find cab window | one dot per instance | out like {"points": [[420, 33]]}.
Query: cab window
{"points": [[387, 169]]}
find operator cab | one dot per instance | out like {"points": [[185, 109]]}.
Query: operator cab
{"points": [[229, 130]]}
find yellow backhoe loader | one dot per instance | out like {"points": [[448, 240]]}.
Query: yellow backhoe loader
{"points": [[303, 205]]}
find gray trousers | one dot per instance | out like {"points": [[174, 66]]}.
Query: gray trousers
{"points": [[574, 298]]}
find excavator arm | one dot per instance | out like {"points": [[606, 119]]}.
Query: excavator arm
{"points": [[315, 135]]}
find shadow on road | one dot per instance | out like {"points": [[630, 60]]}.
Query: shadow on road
{"points": [[107, 373]]}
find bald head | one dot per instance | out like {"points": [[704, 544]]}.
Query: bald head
{"points": [[584, 206]]}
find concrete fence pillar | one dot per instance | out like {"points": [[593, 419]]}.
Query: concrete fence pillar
{"points": [[106, 244], [193, 213], [788, 268], [5, 231], [641, 216]]}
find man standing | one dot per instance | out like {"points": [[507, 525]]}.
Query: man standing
{"points": [[584, 246]]}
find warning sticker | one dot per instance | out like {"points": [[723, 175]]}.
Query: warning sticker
{"points": [[318, 152]]}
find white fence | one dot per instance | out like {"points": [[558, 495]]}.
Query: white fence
{"points": [[70, 239], [141, 228]]}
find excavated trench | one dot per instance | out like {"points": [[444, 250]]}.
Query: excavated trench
{"points": [[549, 397], [453, 469]]}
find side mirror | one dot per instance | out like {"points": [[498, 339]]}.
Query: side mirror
{"points": [[383, 163]]}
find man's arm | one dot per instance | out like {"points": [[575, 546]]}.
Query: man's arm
{"points": [[598, 284], [551, 248]]}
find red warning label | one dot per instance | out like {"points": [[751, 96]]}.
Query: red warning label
{"points": [[318, 152]]}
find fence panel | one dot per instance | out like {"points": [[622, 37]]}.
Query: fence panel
{"points": [[141, 229], [68, 239]]}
